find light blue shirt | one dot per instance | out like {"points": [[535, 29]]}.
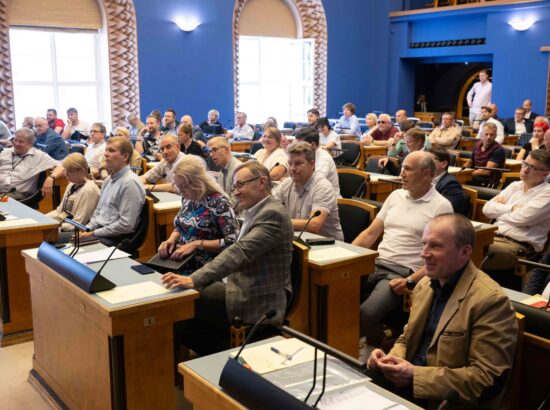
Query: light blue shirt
{"points": [[117, 212], [348, 125]]}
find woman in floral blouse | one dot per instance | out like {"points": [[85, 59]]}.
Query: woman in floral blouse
{"points": [[206, 223]]}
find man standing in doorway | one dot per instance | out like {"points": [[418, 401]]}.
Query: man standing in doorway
{"points": [[479, 95]]}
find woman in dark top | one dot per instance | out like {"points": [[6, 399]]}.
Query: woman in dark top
{"points": [[187, 144], [537, 141], [205, 224]]}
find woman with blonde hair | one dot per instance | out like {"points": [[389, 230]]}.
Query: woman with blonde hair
{"points": [[272, 156], [80, 197], [205, 224]]}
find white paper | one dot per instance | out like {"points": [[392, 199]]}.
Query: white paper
{"points": [[132, 292], [7, 216], [15, 223], [376, 177], [356, 399], [100, 255], [330, 254], [167, 205]]}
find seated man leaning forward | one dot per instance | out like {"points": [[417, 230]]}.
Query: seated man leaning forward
{"points": [[258, 276], [462, 332], [402, 219], [307, 192], [116, 216], [170, 150]]}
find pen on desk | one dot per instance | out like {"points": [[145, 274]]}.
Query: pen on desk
{"points": [[296, 352], [285, 355]]}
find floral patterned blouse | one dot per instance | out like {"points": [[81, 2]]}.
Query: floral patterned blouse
{"points": [[209, 218]]}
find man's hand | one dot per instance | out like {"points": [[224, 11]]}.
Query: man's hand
{"points": [[500, 200], [69, 123], [47, 188], [398, 285], [86, 234], [172, 280], [382, 162], [374, 357], [399, 371], [367, 139]]}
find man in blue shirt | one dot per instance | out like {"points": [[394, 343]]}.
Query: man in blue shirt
{"points": [[48, 140]]}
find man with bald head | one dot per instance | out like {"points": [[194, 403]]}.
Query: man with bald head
{"points": [[198, 133], [398, 265], [169, 149], [48, 140], [529, 115], [400, 117], [219, 150], [383, 134]]}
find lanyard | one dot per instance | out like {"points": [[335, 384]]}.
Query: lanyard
{"points": [[13, 165]]}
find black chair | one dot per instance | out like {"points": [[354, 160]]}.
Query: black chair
{"points": [[355, 217], [351, 152], [255, 148], [372, 166], [508, 153], [376, 204], [33, 200], [484, 193], [297, 308], [352, 182], [524, 139], [80, 148], [452, 157]]}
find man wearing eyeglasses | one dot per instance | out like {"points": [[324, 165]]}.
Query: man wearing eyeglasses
{"points": [[257, 266], [220, 153], [521, 212], [384, 134]]}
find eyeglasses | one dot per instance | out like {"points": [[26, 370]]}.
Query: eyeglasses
{"points": [[530, 167], [240, 184], [94, 131], [382, 122]]}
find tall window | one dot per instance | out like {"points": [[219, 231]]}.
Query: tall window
{"points": [[57, 69], [276, 78]]}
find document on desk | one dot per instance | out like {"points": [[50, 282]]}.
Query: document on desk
{"points": [[132, 292], [15, 223], [327, 254], [477, 225], [100, 255], [356, 399]]}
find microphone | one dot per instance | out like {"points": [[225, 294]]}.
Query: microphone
{"points": [[125, 242], [267, 315], [299, 238], [77, 225], [10, 191], [361, 187], [488, 257], [493, 169], [450, 398], [77, 228], [148, 191], [276, 165]]}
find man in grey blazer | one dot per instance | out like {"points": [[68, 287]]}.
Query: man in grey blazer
{"points": [[257, 266]]}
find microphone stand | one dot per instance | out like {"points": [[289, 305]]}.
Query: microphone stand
{"points": [[149, 191], [299, 238], [77, 228]]}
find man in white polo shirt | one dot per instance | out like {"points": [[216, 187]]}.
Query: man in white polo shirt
{"points": [[402, 220]]}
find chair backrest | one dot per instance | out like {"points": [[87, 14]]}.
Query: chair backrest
{"points": [[352, 182], [33, 200], [470, 202], [80, 148], [372, 165], [289, 124], [364, 128], [142, 243], [257, 136], [255, 148], [507, 178], [297, 310], [524, 139], [377, 204], [355, 217], [453, 159], [508, 153], [350, 155]]}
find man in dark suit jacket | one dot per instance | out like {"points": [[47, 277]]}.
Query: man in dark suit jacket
{"points": [[529, 115], [257, 266], [518, 125], [447, 184]]}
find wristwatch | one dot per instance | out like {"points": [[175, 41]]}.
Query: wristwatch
{"points": [[410, 283]]}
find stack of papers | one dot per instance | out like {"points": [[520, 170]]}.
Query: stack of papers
{"points": [[100, 255], [12, 223], [333, 253], [132, 292], [357, 399]]}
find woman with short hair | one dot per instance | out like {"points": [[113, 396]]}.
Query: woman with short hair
{"points": [[272, 156]]}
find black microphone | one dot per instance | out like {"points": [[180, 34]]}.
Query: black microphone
{"points": [[276, 165], [362, 186], [149, 191], [120, 245], [299, 238], [267, 315], [449, 399], [10, 191], [493, 169], [489, 256]]}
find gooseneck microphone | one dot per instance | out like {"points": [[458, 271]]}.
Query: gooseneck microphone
{"points": [[120, 245], [299, 238], [488, 257], [267, 315], [149, 191], [10, 191]]}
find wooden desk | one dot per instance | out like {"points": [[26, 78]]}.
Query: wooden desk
{"points": [[462, 175], [380, 190], [514, 165], [334, 295], [165, 212], [241, 146], [485, 236], [467, 144], [93, 354], [368, 151], [15, 297]]}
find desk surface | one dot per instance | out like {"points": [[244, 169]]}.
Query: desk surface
{"points": [[167, 200], [209, 368], [17, 209]]}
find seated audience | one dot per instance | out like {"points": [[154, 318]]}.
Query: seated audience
{"points": [[487, 153], [399, 264], [384, 134], [187, 144], [171, 155], [413, 140], [21, 165], [529, 115], [518, 125], [313, 117], [258, 276], [205, 224], [462, 332], [241, 131], [539, 279], [169, 122], [28, 122], [536, 142], [96, 147], [54, 123], [348, 123], [522, 214], [272, 156], [447, 184], [486, 118], [371, 119], [48, 141], [134, 126], [306, 192], [148, 140], [220, 152], [324, 163], [328, 139], [76, 129], [448, 134], [270, 122], [400, 118], [116, 216], [212, 125], [136, 161], [80, 198], [198, 134]]}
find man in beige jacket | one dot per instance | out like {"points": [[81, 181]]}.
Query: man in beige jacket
{"points": [[460, 340]]}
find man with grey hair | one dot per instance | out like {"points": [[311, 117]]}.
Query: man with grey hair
{"points": [[383, 134], [242, 130], [212, 125], [398, 266], [169, 149], [21, 165], [306, 192], [48, 140]]}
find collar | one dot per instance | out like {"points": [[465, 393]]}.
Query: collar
{"points": [[450, 285], [307, 185], [31, 151], [437, 178], [250, 212], [426, 198], [542, 185], [120, 173]]}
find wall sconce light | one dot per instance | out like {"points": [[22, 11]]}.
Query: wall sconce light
{"points": [[522, 24], [187, 24]]}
